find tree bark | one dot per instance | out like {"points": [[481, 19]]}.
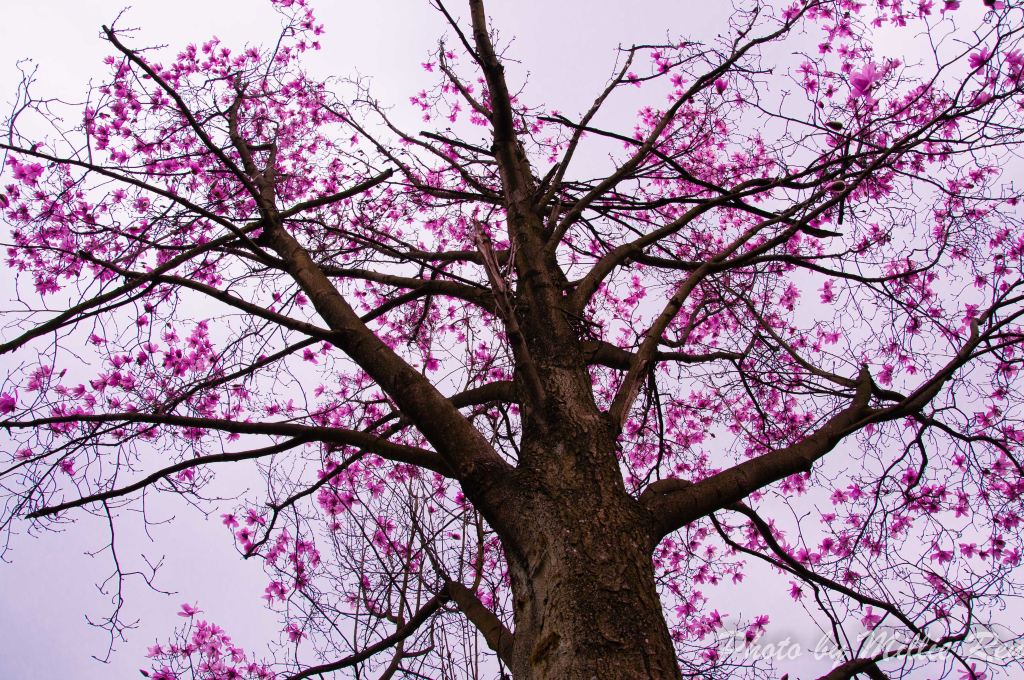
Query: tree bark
{"points": [[578, 546], [584, 596], [586, 607]]}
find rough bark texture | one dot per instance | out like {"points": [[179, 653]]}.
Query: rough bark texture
{"points": [[578, 546], [585, 600], [579, 555]]}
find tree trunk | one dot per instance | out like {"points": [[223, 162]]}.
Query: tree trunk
{"points": [[585, 601]]}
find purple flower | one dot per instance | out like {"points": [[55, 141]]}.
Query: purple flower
{"points": [[979, 59], [862, 81], [188, 611]]}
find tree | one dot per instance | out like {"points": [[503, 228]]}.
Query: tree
{"points": [[507, 395]]}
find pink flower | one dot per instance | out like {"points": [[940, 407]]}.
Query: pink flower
{"points": [[756, 629], [973, 673], [7, 403], [942, 556], [294, 632], [870, 619], [188, 611], [864, 80], [795, 591], [827, 294], [979, 59], [28, 173]]}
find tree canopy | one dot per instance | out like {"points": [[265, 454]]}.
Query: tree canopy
{"points": [[527, 390]]}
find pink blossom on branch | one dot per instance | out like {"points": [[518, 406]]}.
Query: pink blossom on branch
{"points": [[863, 81]]}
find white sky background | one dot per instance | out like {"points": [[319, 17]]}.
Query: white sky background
{"points": [[568, 46]]}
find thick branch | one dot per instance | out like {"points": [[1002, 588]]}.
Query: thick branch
{"points": [[642, 360], [399, 453], [220, 295], [72, 314], [320, 201], [673, 504], [606, 354], [500, 101], [854, 667], [497, 636], [463, 448]]}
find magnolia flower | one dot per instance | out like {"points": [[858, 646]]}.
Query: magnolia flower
{"points": [[871, 619], [973, 673], [979, 59], [295, 633], [188, 611], [864, 80]]}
